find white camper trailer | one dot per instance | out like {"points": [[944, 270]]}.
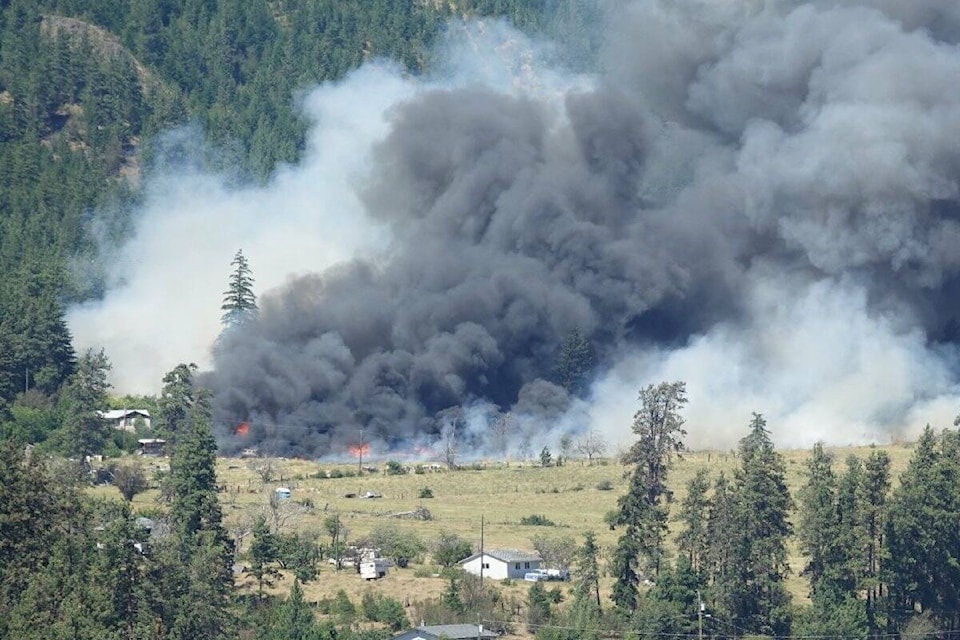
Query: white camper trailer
{"points": [[373, 569]]}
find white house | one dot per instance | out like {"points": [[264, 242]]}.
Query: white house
{"points": [[501, 564], [126, 419]]}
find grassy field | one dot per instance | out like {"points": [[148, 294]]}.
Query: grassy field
{"points": [[499, 493]]}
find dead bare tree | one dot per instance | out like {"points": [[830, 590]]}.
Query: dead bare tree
{"points": [[592, 445], [285, 512], [452, 420], [265, 468]]}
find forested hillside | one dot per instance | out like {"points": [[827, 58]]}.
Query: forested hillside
{"points": [[88, 86]]}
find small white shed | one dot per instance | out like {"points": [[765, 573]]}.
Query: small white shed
{"points": [[500, 564]]}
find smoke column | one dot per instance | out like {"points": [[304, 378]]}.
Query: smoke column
{"points": [[759, 198]]}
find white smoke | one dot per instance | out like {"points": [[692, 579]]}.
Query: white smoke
{"points": [[812, 358], [164, 307]]}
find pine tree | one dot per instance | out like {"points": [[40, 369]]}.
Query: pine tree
{"points": [[818, 529], [263, 551], [84, 432], [923, 541], [198, 580], [293, 619], [722, 541], [852, 540], [873, 499], [830, 531], [762, 504], [177, 399], [642, 512], [586, 590], [239, 301], [193, 479], [574, 362], [693, 540]]}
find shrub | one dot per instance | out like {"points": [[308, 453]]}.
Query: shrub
{"points": [[336, 473], [426, 492], [426, 571], [449, 549], [604, 485], [380, 608], [537, 520], [401, 546], [394, 468]]}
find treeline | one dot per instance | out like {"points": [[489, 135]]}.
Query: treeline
{"points": [[879, 562]]}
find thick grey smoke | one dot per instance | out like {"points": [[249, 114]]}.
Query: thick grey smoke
{"points": [[760, 198]]}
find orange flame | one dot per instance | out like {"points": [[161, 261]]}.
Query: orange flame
{"points": [[359, 450], [242, 429]]}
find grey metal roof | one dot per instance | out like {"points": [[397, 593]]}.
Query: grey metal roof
{"points": [[508, 555], [456, 631]]}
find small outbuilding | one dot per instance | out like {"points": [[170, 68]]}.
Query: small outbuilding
{"points": [[282, 493], [500, 564], [448, 631], [152, 446]]}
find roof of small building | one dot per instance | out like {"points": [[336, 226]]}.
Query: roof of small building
{"points": [[457, 631], [118, 414], [507, 555]]}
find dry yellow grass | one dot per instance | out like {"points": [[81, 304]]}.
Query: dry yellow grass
{"points": [[501, 494]]}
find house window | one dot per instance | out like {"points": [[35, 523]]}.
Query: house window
{"points": [[517, 566], [526, 565], [486, 565]]}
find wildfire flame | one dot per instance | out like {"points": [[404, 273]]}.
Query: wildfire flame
{"points": [[360, 450], [242, 429]]}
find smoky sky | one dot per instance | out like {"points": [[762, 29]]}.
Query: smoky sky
{"points": [[731, 173]]}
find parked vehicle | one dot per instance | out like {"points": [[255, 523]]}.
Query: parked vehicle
{"points": [[373, 569], [547, 575]]}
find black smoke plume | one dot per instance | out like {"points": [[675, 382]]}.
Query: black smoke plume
{"points": [[737, 170]]}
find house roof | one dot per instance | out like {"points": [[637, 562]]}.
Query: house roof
{"points": [[507, 555], [119, 414], [457, 631]]}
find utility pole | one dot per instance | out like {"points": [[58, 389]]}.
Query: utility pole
{"points": [[360, 456], [481, 554], [699, 616]]}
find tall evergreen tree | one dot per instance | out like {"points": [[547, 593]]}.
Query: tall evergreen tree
{"points": [[853, 535], [586, 590], [762, 505], [829, 532], [722, 540], [198, 582], [293, 619], [574, 362], [819, 527], [873, 509], [642, 511], [923, 540], [264, 550], [239, 301], [84, 432], [693, 540], [177, 400]]}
